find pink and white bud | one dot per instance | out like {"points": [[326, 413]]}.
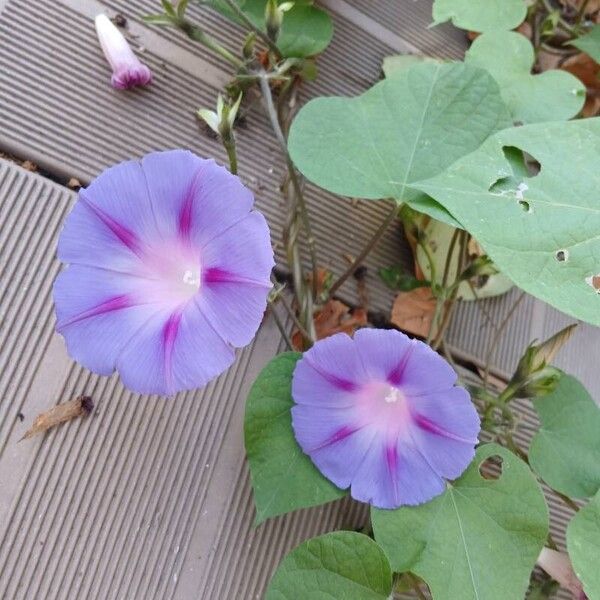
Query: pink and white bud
{"points": [[559, 567], [128, 70]]}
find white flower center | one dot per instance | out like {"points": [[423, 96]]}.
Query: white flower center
{"points": [[393, 395], [192, 278]]}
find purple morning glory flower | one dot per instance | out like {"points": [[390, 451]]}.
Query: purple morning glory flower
{"points": [[381, 414], [128, 70], [169, 271]]}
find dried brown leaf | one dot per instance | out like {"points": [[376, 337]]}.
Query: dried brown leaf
{"points": [[413, 311], [334, 317], [61, 413], [588, 71]]}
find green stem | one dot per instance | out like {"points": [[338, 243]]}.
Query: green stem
{"points": [[299, 195], [365, 251], [250, 25], [232, 155], [281, 327], [196, 34]]}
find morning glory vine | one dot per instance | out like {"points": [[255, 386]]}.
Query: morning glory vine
{"points": [[475, 160]]}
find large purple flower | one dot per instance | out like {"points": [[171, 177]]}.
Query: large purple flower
{"points": [[381, 414], [169, 271]]}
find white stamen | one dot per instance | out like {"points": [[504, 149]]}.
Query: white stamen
{"points": [[191, 278], [392, 396]]}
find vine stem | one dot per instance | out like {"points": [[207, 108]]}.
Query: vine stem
{"points": [[232, 155], [496, 339], [250, 25], [365, 251], [196, 34], [280, 326], [272, 114]]}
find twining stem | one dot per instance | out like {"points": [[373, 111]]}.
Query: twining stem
{"points": [[280, 326], [281, 298], [293, 175], [196, 34], [250, 25], [494, 343], [365, 251]]}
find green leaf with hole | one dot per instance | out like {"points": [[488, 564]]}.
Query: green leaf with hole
{"points": [[283, 477], [479, 539], [554, 95], [343, 565], [408, 127], [590, 43], [565, 452], [544, 233], [480, 15], [583, 544], [306, 29]]}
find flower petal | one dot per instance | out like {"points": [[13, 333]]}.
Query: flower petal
{"points": [[445, 428], [384, 353], [172, 352], [391, 475], [425, 371], [335, 443], [98, 311], [194, 198], [240, 254]]}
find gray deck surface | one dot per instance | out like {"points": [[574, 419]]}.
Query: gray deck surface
{"points": [[150, 498]]}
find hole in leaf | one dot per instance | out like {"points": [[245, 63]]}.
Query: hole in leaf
{"points": [[491, 467], [594, 282], [562, 255], [511, 176], [525, 206]]}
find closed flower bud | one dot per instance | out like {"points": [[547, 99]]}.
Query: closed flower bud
{"points": [[274, 17], [221, 121], [128, 70]]}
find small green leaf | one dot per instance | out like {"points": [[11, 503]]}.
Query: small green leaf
{"points": [[543, 233], [306, 30], [583, 544], [554, 95], [478, 540], [396, 278], [399, 62], [283, 477], [336, 566], [590, 43], [565, 452], [408, 127], [480, 15]]}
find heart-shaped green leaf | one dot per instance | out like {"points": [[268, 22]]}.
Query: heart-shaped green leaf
{"points": [[543, 233], [554, 95], [479, 539], [565, 452], [336, 566], [400, 62], [583, 543], [283, 477], [408, 127], [590, 43], [306, 29], [480, 15]]}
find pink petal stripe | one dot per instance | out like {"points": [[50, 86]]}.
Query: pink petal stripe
{"points": [[112, 304], [395, 377], [343, 384], [431, 427], [169, 335], [338, 436], [216, 275], [126, 236], [184, 222]]}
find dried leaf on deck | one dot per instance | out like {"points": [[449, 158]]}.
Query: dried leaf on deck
{"points": [[588, 71], [413, 311], [334, 317], [61, 413]]}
